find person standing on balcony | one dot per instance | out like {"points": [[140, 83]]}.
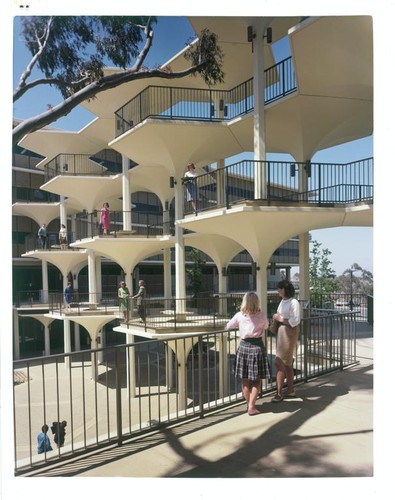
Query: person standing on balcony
{"points": [[140, 298], [123, 295], [105, 218], [251, 363], [63, 237], [288, 314], [191, 185], [68, 293], [42, 235]]}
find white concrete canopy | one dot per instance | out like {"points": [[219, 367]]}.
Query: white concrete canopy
{"points": [[92, 323], [42, 213], [178, 142], [262, 229], [50, 142], [221, 249], [89, 191], [126, 251], [65, 260], [154, 179]]}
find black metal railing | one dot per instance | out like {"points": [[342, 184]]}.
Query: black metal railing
{"points": [[142, 224], [111, 394], [80, 164], [318, 183], [179, 103]]}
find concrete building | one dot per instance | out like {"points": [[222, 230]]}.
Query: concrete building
{"points": [[134, 157]]}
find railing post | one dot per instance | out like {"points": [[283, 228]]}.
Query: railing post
{"points": [[341, 341], [200, 368], [306, 336], [118, 401]]}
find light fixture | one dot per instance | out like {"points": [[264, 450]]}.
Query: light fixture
{"points": [[250, 34], [268, 35]]}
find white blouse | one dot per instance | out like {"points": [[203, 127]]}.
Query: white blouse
{"points": [[290, 310]]}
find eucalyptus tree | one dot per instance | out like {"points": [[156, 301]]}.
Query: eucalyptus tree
{"points": [[71, 53]]}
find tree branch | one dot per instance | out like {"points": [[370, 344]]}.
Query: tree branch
{"points": [[29, 68], [89, 92]]}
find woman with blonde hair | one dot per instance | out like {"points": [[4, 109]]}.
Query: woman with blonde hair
{"points": [[251, 363]]}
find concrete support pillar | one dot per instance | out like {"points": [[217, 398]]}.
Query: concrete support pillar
{"points": [[67, 341], [182, 347], [98, 277], [92, 276], [47, 343], [261, 286], [94, 355], [101, 342], [77, 341], [126, 200], [17, 351], [167, 274], [73, 229], [179, 253], [63, 213], [304, 258], [259, 110], [44, 274]]}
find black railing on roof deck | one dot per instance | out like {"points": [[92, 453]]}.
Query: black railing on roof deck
{"points": [[318, 183], [179, 103]]}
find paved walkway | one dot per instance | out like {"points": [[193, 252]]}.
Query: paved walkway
{"points": [[324, 432]]}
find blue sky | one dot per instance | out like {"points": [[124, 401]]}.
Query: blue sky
{"points": [[171, 34]]}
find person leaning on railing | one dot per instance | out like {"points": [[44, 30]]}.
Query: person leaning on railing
{"points": [[189, 180], [251, 363], [140, 299]]}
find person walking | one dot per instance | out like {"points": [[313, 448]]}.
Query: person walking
{"points": [[288, 315], [124, 295], [140, 300], [43, 441], [105, 218], [68, 293], [42, 235], [251, 363]]}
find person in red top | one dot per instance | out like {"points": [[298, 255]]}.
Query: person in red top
{"points": [[105, 218], [251, 363]]}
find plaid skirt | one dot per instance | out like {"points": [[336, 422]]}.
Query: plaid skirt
{"points": [[251, 360]]}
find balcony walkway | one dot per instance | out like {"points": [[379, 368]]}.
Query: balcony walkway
{"points": [[326, 431]]}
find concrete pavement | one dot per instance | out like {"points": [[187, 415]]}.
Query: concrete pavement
{"points": [[326, 431]]}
